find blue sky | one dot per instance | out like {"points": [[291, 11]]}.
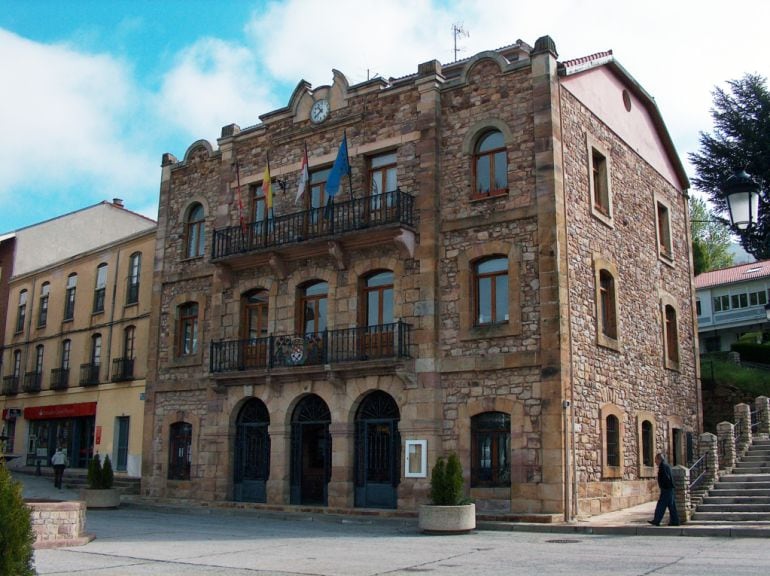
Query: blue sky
{"points": [[94, 92]]}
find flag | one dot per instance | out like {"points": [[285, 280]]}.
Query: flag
{"points": [[340, 168], [304, 176], [267, 189]]}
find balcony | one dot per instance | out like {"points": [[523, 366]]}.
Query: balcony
{"points": [[89, 374], [122, 369], [10, 385], [60, 378], [32, 382], [348, 345], [356, 223]]}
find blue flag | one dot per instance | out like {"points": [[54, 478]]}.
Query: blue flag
{"points": [[340, 168]]}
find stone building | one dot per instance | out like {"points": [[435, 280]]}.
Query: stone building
{"points": [[76, 329], [500, 269]]}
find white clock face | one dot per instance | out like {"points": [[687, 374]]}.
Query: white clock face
{"points": [[320, 111]]}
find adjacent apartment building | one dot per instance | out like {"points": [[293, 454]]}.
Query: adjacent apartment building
{"points": [[76, 323], [732, 302], [489, 257]]}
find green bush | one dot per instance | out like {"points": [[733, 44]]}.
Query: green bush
{"points": [[752, 352], [716, 369], [446, 482], [107, 474], [95, 473], [16, 534]]}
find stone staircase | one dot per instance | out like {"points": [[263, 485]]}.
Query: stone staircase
{"points": [[742, 495]]}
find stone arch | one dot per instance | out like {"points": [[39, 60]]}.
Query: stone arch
{"points": [[477, 129], [495, 57], [198, 145]]}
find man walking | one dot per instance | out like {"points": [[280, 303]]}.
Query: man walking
{"points": [[59, 462], [666, 498]]}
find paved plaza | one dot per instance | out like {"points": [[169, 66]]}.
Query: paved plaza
{"points": [[137, 539]]}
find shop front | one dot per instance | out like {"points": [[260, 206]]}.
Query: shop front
{"points": [[68, 426]]}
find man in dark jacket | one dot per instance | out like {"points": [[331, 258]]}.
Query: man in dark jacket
{"points": [[666, 499]]}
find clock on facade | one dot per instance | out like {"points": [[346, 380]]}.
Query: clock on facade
{"points": [[320, 111]]}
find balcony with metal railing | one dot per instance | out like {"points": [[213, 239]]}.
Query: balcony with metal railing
{"points": [[89, 374], [10, 385], [357, 222], [32, 382], [386, 342], [122, 369], [60, 378]]}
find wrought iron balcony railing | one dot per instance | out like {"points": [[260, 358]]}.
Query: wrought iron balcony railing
{"points": [[394, 207], [60, 378], [32, 382], [10, 385], [89, 374], [328, 347], [122, 369]]}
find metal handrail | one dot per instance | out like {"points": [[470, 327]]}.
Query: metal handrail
{"points": [[698, 470], [335, 218]]}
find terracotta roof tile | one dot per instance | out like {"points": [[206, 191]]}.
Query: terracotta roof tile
{"points": [[734, 274]]}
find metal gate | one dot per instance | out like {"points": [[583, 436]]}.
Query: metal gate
{"points": [[378, 452], [252, 453], [311, 452]]}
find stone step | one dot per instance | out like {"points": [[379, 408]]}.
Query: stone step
{"points": [[748, 469], [722, 492], [738, 499], [745, 507], [730, 517], [745, 478]]}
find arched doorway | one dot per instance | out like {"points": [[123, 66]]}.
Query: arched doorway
{"points": [[311, 452], [252, 453], [378, 452]]}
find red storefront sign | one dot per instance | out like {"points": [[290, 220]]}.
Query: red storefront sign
{"points": [[60, 411]]}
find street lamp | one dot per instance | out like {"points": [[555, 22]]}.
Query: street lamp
{"points": [[742, 195]]}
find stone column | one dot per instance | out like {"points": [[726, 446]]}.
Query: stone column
{"points": [[681, 476], [340, 491], [743, 424], [707, 444], [726, 435], [762, 405], [280, 456]]}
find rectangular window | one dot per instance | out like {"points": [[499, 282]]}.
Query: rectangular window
{"points": [[188, 330], [664, 231], [721, 303], [101, 288], [42, 315], [134, 270], [672, 338], [22, 311], [599, 177], [69, 297]]}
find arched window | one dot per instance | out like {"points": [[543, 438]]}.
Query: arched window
{"points": [[22, 311], [69, 297], [187, 329], [490, 287], [313, 307], [42, 314], [491, 449], [672, 337], [490, 163], [612, 436], [134, 273], [100, 288], [648, 443], [195, 232], [179, 451]]}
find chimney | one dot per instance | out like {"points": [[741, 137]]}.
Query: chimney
{"points": [[118, 202]]}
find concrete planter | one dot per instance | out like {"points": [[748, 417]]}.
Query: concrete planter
{"points": [[447, 519], [58, 523], [109, 498]]}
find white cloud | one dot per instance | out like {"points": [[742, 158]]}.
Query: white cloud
{"points": [[214, 83], [63, 120]]}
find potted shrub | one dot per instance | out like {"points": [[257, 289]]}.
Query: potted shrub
{"points": [[449, 511], [100, 493]]}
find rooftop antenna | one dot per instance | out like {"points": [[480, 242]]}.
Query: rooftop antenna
{"points": [[459, 32]]}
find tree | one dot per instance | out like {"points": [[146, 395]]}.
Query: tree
{"points": [[16, 534], [710, 238], [741, 140]]}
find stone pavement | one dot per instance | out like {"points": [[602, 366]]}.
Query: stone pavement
{"points": [[631, 521]]}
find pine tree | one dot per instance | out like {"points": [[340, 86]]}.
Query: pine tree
{"points": [[16, 534]]}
